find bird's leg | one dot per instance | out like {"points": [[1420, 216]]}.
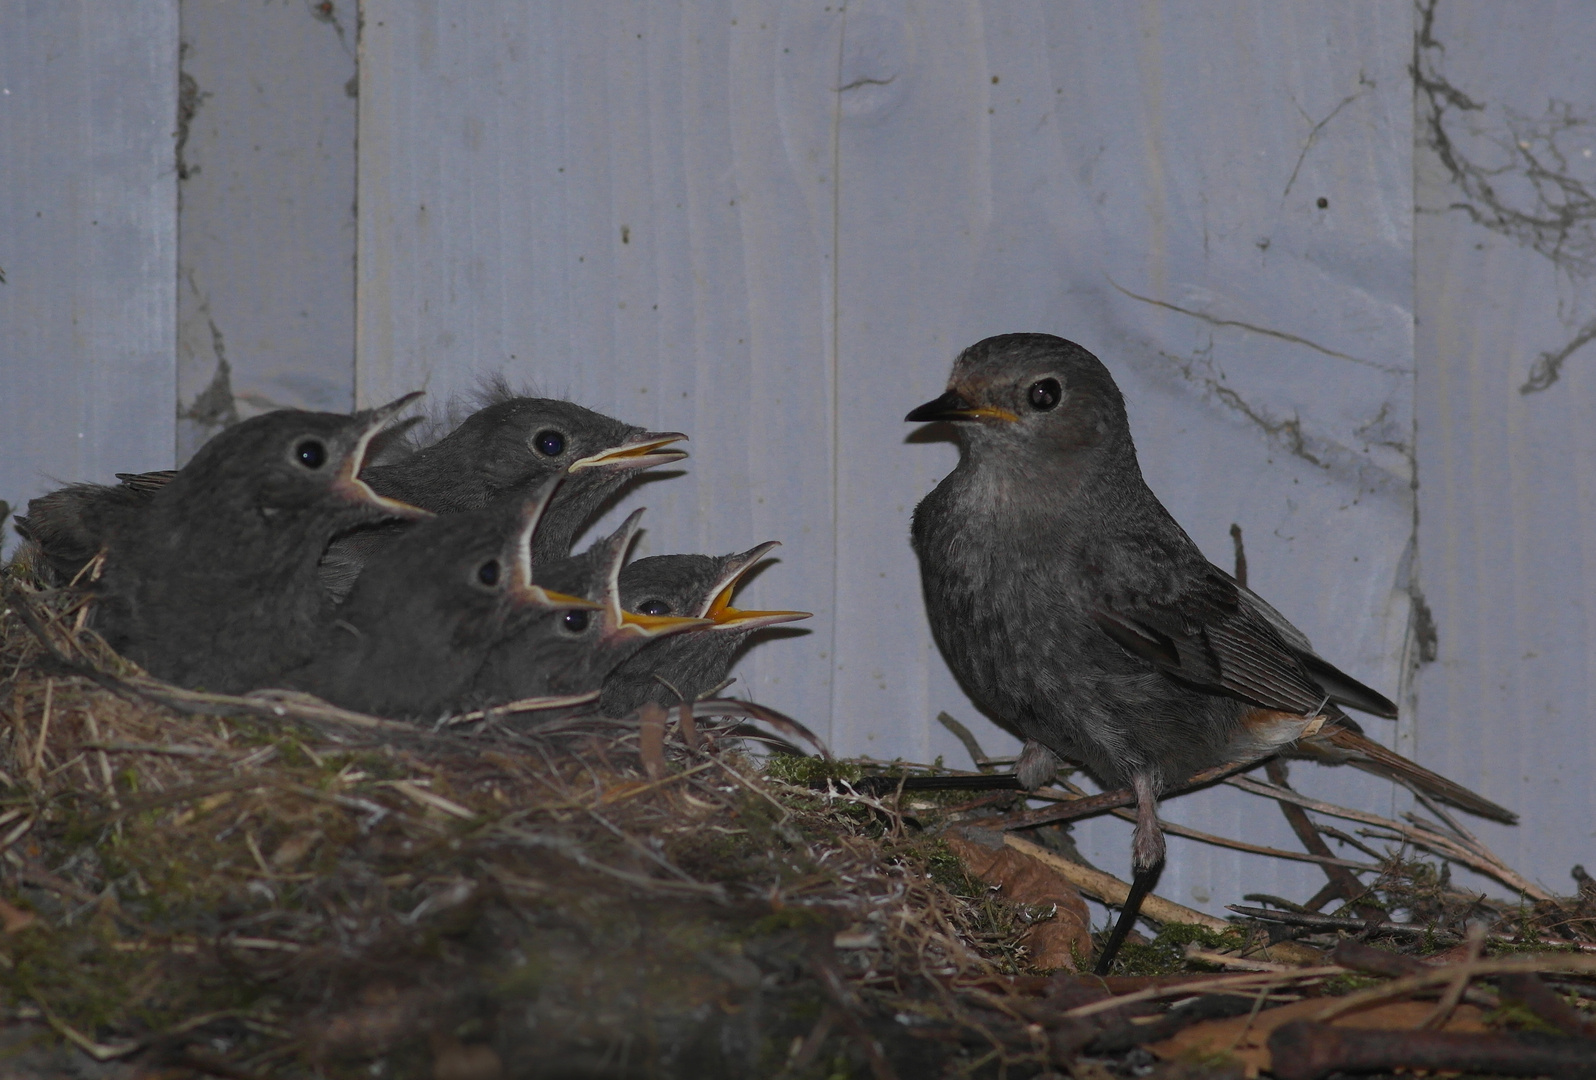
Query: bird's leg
{"points": [[1147, 849], [1147, 859], [1036, 765]]}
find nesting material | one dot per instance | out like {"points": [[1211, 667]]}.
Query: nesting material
{"points": [[194, 884]]}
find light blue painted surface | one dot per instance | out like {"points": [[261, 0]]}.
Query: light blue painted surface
{"points": [[1507, 505], [88, 241], [266, 274]]}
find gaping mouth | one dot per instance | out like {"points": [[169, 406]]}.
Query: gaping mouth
{"points": [[725, 617], [520, 556], [641, 452], [955, 407], [618, 622], [348, 481]]}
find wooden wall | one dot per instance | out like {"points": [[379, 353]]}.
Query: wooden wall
{"points": [[773, 225]]}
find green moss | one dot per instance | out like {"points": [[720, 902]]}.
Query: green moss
{"points": [[1166, 953], [803, 771]]}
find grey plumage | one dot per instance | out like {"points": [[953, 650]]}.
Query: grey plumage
{"points": [[213, 583], [1071, 606], [684, 667], [505, 450], [427, 610], [572, 652]]}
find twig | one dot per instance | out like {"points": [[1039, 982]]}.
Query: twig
{"points": [[1110, 800], [1347, 887], [1454, 989], [1110, 889], [1420, 837], [44, 731], [971, 747], [1303, 1050], [1443, 975]]}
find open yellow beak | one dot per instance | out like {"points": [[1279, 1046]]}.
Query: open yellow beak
{"points": [[520, 556], [724, 616], [348, 481], [643, 452]]}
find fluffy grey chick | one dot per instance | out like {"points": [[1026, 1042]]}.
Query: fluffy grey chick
{"points": [[684, 667]]}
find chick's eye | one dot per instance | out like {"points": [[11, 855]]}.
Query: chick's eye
{"points": [[653, 607], [574, 622], [488, 573], [1045, 394], [549, 443], [311, 454]]}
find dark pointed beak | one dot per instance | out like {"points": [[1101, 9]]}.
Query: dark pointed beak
{"points": [[954, 406], [942, 408]]}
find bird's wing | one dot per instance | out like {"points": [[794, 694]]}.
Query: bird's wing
{"points": [[147, 483], [1204, 635], [1342, 688]]}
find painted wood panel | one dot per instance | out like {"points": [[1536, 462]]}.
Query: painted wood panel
{"points": [[88, 241], [1506, 312], [266, 274], [773, 225]]}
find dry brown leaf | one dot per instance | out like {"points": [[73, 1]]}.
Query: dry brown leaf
{"points": [[14, 919], [1053, 943], [1246, 1039]]}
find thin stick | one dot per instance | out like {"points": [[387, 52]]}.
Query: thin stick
{"points": [[1346, 885], [44, 731], [1110, 889], [1110, 800], [1431, 841], [1442, 976], [962, 733], [1328, 858], [1454, 989]]}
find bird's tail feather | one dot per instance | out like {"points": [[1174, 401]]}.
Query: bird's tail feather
{"points": [[1337, 745]]}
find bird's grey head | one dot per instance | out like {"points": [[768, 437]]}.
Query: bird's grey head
{"points": [[1022, 395]]}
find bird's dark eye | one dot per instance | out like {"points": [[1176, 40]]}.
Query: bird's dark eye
{"points": [[488, 573], [574, 622], [653, 607], [549, 443], [1044, 395], [311, 454]]}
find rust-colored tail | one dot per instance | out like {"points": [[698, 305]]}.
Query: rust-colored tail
{"points": [[1337, 745]]}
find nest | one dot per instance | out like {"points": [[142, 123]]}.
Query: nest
{"points": [[194, 884]]}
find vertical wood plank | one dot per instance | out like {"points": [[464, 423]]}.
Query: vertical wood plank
{"points": [[266, 291], [1506, 450], [88, 241]]}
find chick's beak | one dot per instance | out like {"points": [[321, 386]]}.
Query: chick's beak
{"points": [[348, 482], [954, 406], [642, 451], [657, 625], [725, 617]]}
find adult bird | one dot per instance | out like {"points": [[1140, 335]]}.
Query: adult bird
{"points": [[1070, 604], [684, 667], [428, 608], [213, 583], [571, 652]]}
